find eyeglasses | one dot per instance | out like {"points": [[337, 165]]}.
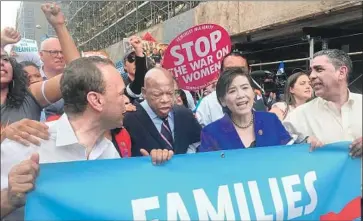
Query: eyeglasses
{"points": [[53, 52]]}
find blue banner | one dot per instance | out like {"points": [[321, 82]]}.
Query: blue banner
{"points": [[266, 183]]}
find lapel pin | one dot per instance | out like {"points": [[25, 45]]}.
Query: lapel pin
{"points": [[260, 132]]}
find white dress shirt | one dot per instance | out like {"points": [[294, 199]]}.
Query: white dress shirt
{"points": [[322, 119], [62, 146], [209, 110]]}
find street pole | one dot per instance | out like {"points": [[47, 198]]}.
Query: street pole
{"points": [[311, 47]]}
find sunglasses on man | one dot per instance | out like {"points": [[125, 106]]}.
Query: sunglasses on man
{"points": [[131, 57]]}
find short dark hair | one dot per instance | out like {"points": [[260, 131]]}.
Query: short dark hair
{"points": [[80, 77], [226, 79], [29, 63], [183, 97], [235, 54], [338, 58]]}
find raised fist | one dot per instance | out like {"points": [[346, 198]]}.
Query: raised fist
{"points": [[53, 14], [136, 42], [9, 36]]}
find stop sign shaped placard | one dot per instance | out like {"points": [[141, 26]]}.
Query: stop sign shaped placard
{"points": [[195, 56]]}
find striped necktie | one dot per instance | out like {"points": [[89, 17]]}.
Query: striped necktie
{"points": [[166, 134]]}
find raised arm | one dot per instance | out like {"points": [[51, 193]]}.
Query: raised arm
{"points": [[9, 36], [133, 90], [48, 92], [56, 18]]}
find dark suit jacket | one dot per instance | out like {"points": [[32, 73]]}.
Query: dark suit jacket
{"points": [[144, 134], [222, 135]]}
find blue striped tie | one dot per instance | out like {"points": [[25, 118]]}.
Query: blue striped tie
{"points": [[166, 134]]}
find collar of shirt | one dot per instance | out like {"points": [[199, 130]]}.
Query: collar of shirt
{"points": [[157, 120], [65, 133], [350, 100], [42, 73]]}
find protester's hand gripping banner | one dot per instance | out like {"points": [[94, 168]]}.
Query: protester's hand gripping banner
{"points": [[194, 57], [266, 183]]}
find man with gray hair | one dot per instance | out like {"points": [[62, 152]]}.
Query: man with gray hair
{"points": [[53, 64], [336, 114], [52, 57]]}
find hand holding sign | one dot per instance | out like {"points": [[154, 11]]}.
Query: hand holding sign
{"points": [[9, 36], [21, 180], [314, 143], [53, 14], [356, 148], [195, 56]]}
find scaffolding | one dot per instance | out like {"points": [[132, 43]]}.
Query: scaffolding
{"points": [[95, 25]]}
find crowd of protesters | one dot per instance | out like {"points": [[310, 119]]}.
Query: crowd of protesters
{"points": [[92, 113]]}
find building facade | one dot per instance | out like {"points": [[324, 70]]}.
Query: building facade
{"points": [[95, 25], [269, 32], [31, 22]]}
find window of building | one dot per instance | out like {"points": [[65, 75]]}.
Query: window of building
{"points": [[29, 25], [51, 31], [30, 12], [30, 36]]}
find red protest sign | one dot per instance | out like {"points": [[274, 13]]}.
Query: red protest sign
{"points": [[195, 56]]}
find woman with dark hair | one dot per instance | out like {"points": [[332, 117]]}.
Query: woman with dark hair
{"points": [[241, 126], [181, 98], [31, 71], [209, 109], [297, 92], [18, 101]]}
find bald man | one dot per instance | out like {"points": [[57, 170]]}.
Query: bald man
{"points": [[52, 57], [53, 64], [158, 124]]}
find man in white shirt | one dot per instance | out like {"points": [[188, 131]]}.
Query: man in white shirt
{"points": [[336, 114], [92, 89]]}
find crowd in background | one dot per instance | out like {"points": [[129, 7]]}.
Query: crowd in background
{"points": [[92, 113]]}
